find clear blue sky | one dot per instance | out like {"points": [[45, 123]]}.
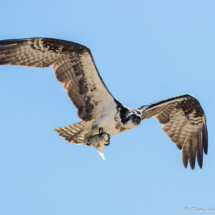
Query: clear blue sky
{"points": [[145, 51]]}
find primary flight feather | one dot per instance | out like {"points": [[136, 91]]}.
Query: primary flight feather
{"points": [[102, 115]]}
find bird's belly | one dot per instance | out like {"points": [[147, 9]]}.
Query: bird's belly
{"points": [[112, 130], [111, 125]]}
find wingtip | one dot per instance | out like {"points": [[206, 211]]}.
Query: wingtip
{"points": [[192, 167], [200, 162], [205, 139], [206, 150], [185, 163]]}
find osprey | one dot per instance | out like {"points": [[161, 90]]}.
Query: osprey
{"points": [[102, 115]]}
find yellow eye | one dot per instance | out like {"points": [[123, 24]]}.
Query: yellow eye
{"points": [[132, 116]]}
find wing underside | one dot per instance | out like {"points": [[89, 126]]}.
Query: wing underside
{"points": [[184, 122], [73, 65]]}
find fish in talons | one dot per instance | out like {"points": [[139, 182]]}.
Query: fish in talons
{"points": [[99, 141]]}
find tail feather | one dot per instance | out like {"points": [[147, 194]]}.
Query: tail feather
{"points": [[72, 133]]}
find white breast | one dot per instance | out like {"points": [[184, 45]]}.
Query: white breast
{"points": [[111, 122]]}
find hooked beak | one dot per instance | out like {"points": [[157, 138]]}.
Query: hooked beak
{"points": [[136, 120]]}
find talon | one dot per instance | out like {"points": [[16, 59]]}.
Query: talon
{"points": [[100, 130], [107, 144]]}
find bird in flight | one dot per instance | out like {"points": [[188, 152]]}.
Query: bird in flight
{"points": [[102, 115]]}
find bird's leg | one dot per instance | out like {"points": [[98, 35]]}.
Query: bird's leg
{"points": [[100, 130], [95, 129], [105, 136], [86, 138], [97, 137]]}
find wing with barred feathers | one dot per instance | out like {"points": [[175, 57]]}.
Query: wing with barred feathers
{"points": [[73, 65], [184, 122]]}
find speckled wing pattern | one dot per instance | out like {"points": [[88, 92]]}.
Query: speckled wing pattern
{"points": [[73, 65], [184, 122]]}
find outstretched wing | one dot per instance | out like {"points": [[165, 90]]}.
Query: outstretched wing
{"points": [[184, 123], [73, 66]]}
